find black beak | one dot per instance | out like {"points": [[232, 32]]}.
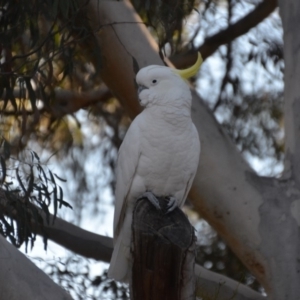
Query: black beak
{"points": [[141, 88]]}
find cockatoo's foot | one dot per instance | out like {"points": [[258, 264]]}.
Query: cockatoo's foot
{"points": [[172, 204], [151, 197]]}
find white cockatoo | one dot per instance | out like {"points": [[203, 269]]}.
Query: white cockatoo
{"points": [[159, 154]]}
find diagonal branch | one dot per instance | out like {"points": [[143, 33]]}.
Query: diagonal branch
{"points": [[66, 101], [64, 233], [242, 26], [21, 279]]}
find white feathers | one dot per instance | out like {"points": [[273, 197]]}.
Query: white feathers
{"points": [[160, 154], [162, 86]]}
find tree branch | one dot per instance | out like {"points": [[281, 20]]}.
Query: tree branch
{"points": [[21, 279], [290, 15], [212, 43], [66, 101], [66, 234], [116, 24], [211, 284]]}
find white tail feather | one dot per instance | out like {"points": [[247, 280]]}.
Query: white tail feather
{"points": [[120, 263]]}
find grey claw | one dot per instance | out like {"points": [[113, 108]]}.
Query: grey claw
{"points": [[151, 197], [172, 204]]}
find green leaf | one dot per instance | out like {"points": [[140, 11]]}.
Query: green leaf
{"points": [[3, 166], [20, 180], [30, 183], [64, 8], [59, 178], [52, 178], [35, 155], [55, 8], [34, 32], [55, 204], [31, 93], [6, 149], [41, 170]]}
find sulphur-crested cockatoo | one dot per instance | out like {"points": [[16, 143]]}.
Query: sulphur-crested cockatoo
{"points": [[158, 157]]}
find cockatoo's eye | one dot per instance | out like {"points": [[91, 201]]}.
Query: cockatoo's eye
{"points": [[154, 81]]}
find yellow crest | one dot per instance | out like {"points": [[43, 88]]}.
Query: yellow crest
{"points": [[191, 71]]}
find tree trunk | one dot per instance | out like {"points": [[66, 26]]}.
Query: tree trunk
{"points": [[163, 254]]}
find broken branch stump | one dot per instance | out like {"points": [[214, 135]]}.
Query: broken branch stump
{"points": [[163, 252]]}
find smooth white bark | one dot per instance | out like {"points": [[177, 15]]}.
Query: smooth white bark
{"points": [[213, 284], [20, 279], [290, 14]]}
